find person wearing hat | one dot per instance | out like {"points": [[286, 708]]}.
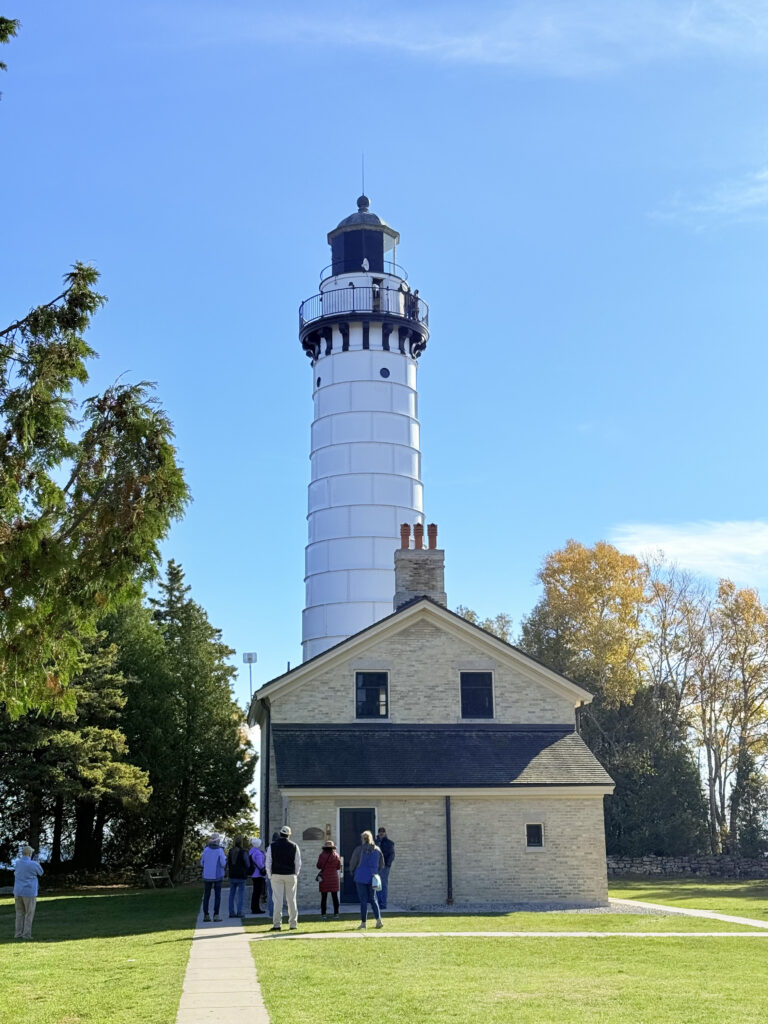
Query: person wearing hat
{"points": [[283, 867], [26, 872], [213, 862], [328, 864], [259, 875]]}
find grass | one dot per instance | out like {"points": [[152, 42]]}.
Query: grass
{"points": [[550, 922], [741, 897], [440, 980], [503, 980], [99, 957]]}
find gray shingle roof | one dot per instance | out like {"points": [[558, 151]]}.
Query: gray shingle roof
{"points": [[326, 756]]}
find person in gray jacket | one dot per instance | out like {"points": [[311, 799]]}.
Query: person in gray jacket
{"points": [[26, 873]]}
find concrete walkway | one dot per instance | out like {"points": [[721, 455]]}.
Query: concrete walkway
{"points": [[221, 981], [221, 985], [384, 934], [626, 906]]}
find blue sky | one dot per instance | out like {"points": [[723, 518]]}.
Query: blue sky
{"points": [[582, 196]]}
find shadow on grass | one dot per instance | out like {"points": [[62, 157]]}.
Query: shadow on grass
{"points": [[748, 890], [105, 913]]}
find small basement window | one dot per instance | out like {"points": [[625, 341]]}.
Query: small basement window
{"points": [[477, 695], [372, 694], [534, 837]]}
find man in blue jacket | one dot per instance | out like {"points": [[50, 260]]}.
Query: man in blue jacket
{"points": [[26, 873], [214, 863], [387, 848]]}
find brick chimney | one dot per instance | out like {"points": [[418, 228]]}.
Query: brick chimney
{"points": [[419, 571]]}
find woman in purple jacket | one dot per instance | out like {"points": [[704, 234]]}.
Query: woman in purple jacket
{"points": [[259, 875]]}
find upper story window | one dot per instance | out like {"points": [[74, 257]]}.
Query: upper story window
{"points": [[477, 695], [372, 694], [534, 837]]}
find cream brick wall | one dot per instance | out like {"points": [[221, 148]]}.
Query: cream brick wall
{"points": [[490, 862], [424, 662]]}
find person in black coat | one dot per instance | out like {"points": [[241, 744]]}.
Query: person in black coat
{"points": [[387, 848]]}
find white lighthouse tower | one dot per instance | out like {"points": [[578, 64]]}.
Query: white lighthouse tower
{"points": [[363, 332]]}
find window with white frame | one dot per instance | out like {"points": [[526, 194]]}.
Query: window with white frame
{"points": [[477, 695], [534, 837], [372, 694]]}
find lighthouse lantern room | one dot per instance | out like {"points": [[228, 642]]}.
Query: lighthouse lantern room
{"points": [[363, 332]]}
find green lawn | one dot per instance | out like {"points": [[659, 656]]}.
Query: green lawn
{"points": [[742, 897], [515, 981], [99, 957], [528, 922]]}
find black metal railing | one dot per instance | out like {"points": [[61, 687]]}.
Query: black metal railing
{"points": [[372, 300], [356, 267]]}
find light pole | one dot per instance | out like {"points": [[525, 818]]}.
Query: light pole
{"points": [[249, 659]]}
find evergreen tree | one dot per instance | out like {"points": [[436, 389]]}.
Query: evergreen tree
{"points": [[183, 724], [83, 502]]}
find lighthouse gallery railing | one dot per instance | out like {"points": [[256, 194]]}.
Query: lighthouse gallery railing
{"points": [[365, 299]]}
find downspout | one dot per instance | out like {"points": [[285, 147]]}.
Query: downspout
{"points": [[448, 855], [265, 795]]}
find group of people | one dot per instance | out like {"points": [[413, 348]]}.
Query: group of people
{"points": [[276, 872], [240, 864]]}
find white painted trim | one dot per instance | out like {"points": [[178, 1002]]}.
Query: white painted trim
{"points": [[438, 792], [426, 610]]}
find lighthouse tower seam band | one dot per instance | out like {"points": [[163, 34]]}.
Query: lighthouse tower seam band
{"points": [[363, 333]]}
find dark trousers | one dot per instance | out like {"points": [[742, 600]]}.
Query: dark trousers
{"points": [[256, 893], [216, 886], [324, 902]]}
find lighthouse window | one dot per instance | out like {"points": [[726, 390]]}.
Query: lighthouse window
{"points": [[318, 381], [384, 371], [372, 694], [476, 695]]}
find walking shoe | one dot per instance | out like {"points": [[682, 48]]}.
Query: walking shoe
{"points": [[276, 928], [206, 917], [361, 927], [293, 927], [379, 923], [323, 917], [217, 917]]}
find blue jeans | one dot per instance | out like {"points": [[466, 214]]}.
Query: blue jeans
{"points": [[216, 886], [384, 874], [270, 900], [367, 894], [236, 893]]}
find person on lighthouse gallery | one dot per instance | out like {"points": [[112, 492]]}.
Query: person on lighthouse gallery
{"points": [[366, 862], [283, 868], [26, 872], [214, 863], [387, 848]]}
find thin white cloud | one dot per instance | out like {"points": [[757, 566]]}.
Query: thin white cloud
{"points": [[557, 37], [735, 201], [736, 550]]}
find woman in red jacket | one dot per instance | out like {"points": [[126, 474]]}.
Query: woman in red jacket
{"points": [[328, 864]]}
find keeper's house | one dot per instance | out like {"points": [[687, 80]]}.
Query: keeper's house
{"points": [[463, 747]]}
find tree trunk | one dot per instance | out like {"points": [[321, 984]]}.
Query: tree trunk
{"points": [[35, 821], [98, 833], [85, 812], [58, 822]]}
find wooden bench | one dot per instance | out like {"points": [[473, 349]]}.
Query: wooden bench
{"points": [[158, 877]]}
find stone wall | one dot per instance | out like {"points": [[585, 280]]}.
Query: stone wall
{"points": [[712, 866]]}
